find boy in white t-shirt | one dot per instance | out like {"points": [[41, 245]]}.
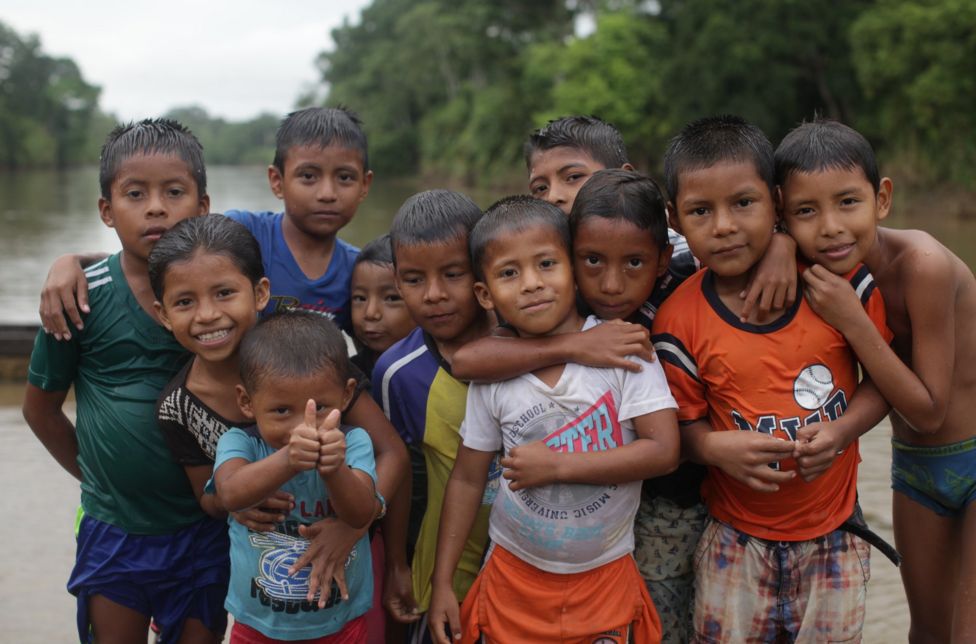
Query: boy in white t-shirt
{"points": [[576, 443]]}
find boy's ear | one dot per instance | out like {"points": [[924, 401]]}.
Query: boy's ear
{"points": [[275, 180], [673, 218], [885, 192], [484, 296], [262, 293], [347, 394], [161, 314], [367, 182], [105, 212], [627, 166], [244, 402], [204, 204], [664, 259]]}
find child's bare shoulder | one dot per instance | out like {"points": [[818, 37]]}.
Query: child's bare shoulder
{"points": [[914, 258]]}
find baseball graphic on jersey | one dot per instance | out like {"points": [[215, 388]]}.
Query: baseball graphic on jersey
{"points": [[813, 386]]}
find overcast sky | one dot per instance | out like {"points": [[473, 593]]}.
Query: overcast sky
{"points": [[236, 58]]}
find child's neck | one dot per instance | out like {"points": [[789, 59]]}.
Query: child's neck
{"points": [[214, 383], [136, 271], [481, 327], [551, 375], [729, 290], [312, 254]]}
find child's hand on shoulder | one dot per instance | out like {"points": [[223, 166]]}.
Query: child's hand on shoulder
{"points": [[773, 284], [530, 465], [332, 444], [833, 298], [609, 344], [746, 455], [817, 446], [303, 446]]}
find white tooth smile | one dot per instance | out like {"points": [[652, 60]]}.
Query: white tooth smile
{"points": [[213, 335]]}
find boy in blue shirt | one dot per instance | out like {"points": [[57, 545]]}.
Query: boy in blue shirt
{"points": [[145, 548], [321, 173], [295, 379]]}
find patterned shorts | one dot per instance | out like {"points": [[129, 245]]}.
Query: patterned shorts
{"points": [[665, 536], [753, 590]]}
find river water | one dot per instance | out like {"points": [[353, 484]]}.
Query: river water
{"points": [[45, 214]]}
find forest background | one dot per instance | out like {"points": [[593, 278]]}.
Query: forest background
{"points": [[448, 89]]}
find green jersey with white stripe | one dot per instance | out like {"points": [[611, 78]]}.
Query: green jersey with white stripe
{"points": [[118, 365]]}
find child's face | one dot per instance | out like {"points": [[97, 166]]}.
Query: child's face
{"points": [[277, 404], [150, 194], [616, 265], [437, 286], [321, 188], [379, 315], [209, 304], [529, 282], [727, 213], [833, 215], [557, 174]]}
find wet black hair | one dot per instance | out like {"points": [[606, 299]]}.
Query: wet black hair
{"points": [[515, 214], [150, 136], [378, 251], [589, 134], [320, 127], [214, 234], [292, 344], [713, 140], [433, 217], [623, 194], [825, 144]]}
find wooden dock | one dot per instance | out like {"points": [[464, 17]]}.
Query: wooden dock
{"points": [[16, 343]]}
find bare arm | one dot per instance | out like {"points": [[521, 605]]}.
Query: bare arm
{"points": [[351, 491], [45, 416], [199, 475], [65, 292], [742, 455], [919, 394], [241, 484], [462, 498], [655, 452], [773, 285], [607, 345], [392, 463]]}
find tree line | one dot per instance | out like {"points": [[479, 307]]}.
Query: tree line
{"points": [[451, 88]]}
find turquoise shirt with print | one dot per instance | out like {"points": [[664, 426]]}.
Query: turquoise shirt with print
{"points": [[262, 594]]}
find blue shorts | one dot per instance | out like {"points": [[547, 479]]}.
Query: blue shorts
{"points": [[169, 577], [941, 478]]}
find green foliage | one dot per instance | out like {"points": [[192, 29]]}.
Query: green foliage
{"points": [[916, 61], [612, 74], [230, 143], [46, 106], [437, 82]]}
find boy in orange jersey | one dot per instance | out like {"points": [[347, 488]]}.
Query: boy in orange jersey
{"points": [[833, 200], [762, 403]]}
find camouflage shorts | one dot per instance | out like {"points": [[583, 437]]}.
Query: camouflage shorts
{"points": [[666, 536]]}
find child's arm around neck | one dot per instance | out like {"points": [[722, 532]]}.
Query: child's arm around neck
{"points": [[495, 358]]}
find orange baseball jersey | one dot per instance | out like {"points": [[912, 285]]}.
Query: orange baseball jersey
{"points": [[772, 378]]}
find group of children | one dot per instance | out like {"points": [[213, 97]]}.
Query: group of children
{"points": [[540, 473]]}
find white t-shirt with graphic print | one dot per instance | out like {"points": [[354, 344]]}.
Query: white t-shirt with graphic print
{"points": [[565, 528]]}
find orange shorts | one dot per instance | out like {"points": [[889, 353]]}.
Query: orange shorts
{"points": [[513, 601]]}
